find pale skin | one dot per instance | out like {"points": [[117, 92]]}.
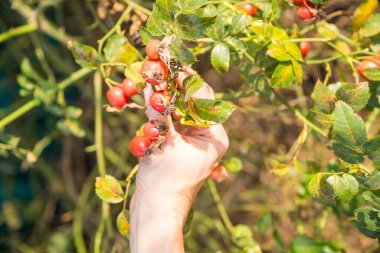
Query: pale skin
{"points": [[168, 181]]}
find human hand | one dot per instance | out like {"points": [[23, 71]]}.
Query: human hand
{"points": [[169, 180]]}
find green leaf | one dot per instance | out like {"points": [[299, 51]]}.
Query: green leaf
{"points": [[345, 187], [132, 72], [367, 221], [304, 244], [277, 50], [283, 75], [191, 5], [371, 199], [372, 182], [146, 36], [108, 189], [354, 95], [180, 53], [363, 12], [233, 165], [346, 153], [263, 223], [191, 26], [28, 71], [323, 120], [373, 74], [71, 126], [321, 190], [239, 22], [117, 49], [217, 30], [242, 236], [372, 149], [297, 68], [159, 23], [213, 110], [220, 57], [371, 26], [84, 55], [349, 128], [323, 97], [293, 50], [191, 84], [122, 223]]}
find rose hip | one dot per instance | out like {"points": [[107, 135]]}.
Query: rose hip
{"points": [[152, 50], [129, 87], [154, 72], [139, 145], [160, 100], [151, 130], [116, 97]]}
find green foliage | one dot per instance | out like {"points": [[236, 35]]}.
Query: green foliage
{"points": [[122, 223], [192, 84], [220, 57], [305, 244], [117, 49], [267, 57], [84, 55], [109, 190], [367, 221], [213, 110], [242, 237], [371, 26]]}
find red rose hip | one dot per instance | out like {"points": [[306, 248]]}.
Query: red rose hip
{"points": [[116, 97], [304, 12], [248, 9], [367, 64], [152, 50], [219, 173], [151, 130], [129, 87], [305, 47], [139, 145], [154, 71], [160, 100]]}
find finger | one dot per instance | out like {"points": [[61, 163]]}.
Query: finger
{"points": [[151, 113]]}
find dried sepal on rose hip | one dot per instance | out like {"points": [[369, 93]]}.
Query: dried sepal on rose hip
{"points": [[154, 72], [219, 173]]}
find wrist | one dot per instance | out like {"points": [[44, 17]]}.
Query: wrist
{"points": [[157, 221]]}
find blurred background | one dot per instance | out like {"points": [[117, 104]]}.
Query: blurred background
{"points": [[48, 163]]}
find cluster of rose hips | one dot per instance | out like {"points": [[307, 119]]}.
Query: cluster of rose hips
{"points": [[306, 9], [118, 95], [368, 63], [155, 72]]}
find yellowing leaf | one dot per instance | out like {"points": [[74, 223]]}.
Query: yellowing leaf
{"points": [[108, 189], [123, 224]]}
